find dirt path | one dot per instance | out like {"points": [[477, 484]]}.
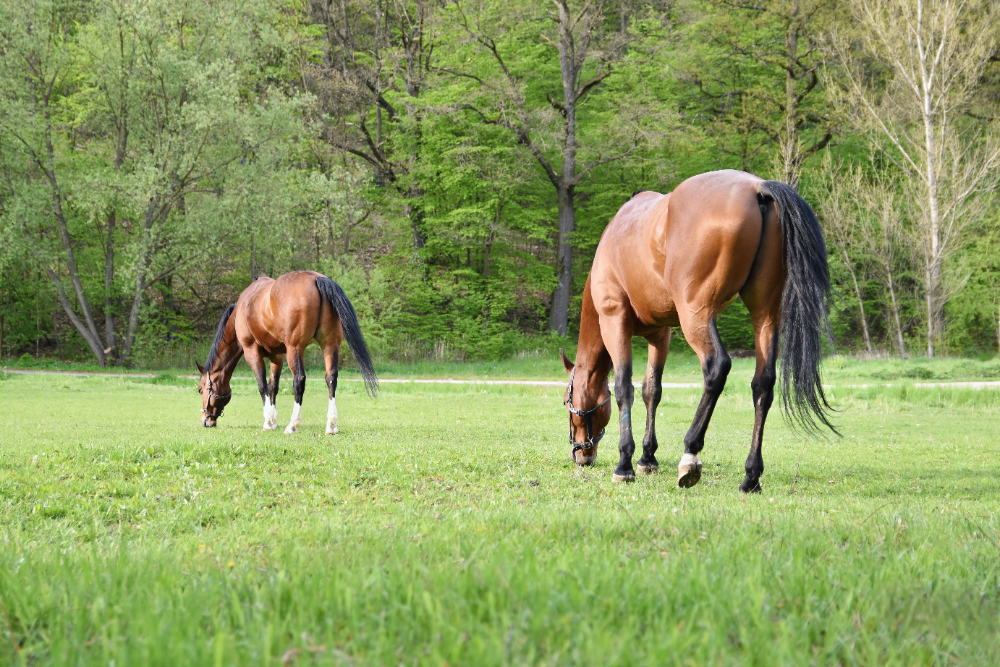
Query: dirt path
{"points": [[528, 383]]}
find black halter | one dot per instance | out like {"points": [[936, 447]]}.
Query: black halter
{"points": [[591, 441], [222, 400]]}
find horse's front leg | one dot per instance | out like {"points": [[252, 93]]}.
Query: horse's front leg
{"points": [[651, 392], [297, 366], [616, 330], [271, 401], [256, 362]]}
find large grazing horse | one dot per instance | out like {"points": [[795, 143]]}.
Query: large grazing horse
{"points": [[678, 260], [275, 318]]}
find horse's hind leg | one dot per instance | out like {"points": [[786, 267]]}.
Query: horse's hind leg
{"points": [[762, 296], [651, 392], [297, 366], [331, 355], [703, 336], [766, 338], [763, 300]]}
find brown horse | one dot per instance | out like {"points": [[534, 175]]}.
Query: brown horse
{"points": [[275, 318], [678, 260]]}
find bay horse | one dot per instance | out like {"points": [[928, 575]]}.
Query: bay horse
{"points": [[275, 318], [679, 259]]}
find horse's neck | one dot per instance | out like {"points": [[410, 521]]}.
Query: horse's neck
{"points": [[591, 354], [229, 352]]}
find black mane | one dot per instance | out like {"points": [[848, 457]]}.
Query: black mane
{"points": [[214, 351]]}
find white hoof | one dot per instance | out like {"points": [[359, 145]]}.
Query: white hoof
{"points": [[292, 428], [269, 426], [331, 429], [689, 471]]}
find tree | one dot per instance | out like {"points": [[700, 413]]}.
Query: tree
{"points": [[125, 118], [373, 70], [754, 68], [518, 89], [845, 227], [915, 106], [884, 238]]}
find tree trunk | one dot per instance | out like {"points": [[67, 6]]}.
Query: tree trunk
{"points": [[487, 248], [895, 312], [87, 327], [93, 342], [930, 311], [559, 316], [109, 274], [861, 303], [154, 212], [790, 149], [935, 307], [416, 217]]}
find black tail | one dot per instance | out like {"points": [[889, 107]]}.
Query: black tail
{"points": [[333, 295], [803, 307]]}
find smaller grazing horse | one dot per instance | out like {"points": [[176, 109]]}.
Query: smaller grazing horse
{"points": [[275, 318], [678, 260]]}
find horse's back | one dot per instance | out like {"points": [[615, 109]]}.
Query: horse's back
{"points": [[276, 312], [689, 249]]}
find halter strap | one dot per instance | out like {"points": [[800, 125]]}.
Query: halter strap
{"points": [[224, 398], [591, 441]]}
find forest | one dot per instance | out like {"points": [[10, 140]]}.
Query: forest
{"points": [[452, 163]]}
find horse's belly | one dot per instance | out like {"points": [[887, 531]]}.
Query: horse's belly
{"points": [[655, 312]]}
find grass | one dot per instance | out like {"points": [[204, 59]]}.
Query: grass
{"points": [[446, 525], [681, 366]]}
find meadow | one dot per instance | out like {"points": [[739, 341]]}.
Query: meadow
{"points": [[446, 525]]}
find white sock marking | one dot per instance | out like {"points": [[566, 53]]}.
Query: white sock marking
{"points": [[331, 417], [293, 425], [270, 415], [689, 460]]}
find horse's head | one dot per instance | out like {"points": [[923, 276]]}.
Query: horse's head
{"points": [[589, 407], [215, 395]]}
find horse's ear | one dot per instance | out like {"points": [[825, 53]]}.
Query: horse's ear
{"points": [[201, 369], [567, 364]]}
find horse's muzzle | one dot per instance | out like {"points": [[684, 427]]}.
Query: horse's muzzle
{"points": [[209, 423], [585, 456]]}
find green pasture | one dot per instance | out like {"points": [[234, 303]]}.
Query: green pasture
{"points": [[543, 364], [445, 524]]}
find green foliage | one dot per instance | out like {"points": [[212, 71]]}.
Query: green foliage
{"points": [[205, 144]]}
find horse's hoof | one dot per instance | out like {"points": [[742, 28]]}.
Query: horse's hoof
{"points": [[648, 468], [623, 477], [332, 430], [689, 471], [269, 427], [746, 487], [291, 429]]}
